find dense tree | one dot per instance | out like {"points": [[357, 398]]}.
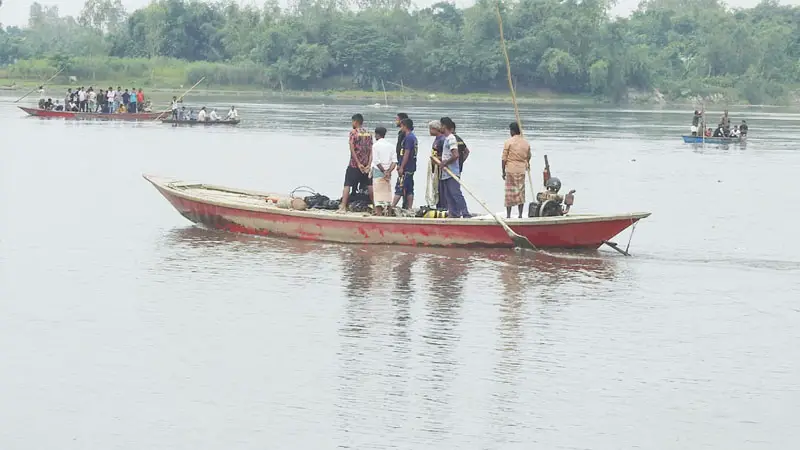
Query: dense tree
{"points": [[683, 48]]}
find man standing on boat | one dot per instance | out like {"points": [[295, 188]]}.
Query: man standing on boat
{"points": [[725, 122], [133, 103], [140, 101], [451, 187], [463, 151], [515, 162], [110, 96], [407, 163], [383, 164], [401, 135], [358, 171], [696, 122], [435, 183], [174, 108], [92, 95], [118, 99]]}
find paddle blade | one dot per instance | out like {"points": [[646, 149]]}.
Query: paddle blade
{"points": [[522, 242]]}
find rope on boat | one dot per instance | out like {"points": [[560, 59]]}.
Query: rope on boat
{"points": [[303, 189]]}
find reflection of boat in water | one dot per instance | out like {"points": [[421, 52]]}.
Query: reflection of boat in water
{"points": [[251, 212], [542, 269], [713, 140]]}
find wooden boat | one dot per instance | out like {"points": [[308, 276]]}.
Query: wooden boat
{"points": [[257, 213], [197, 122], [90, 116], [712, 140]]}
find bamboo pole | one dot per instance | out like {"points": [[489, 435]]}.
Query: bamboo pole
{"points": [[511, 86], [42, 85], [508, 68], [179, 98]]}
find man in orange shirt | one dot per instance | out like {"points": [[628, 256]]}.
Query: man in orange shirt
{"points": [[515, 162], [140, 99]]}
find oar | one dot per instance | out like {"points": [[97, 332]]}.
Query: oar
{"points": [[42, 85], [179, 98], [518, 240]]}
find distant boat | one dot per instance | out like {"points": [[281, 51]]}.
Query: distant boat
{"points": [[198, 122], [89, 116], [712, 140]]}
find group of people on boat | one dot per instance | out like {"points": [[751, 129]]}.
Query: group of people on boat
{"points": [[180, 114], [723, 129], [374, 160], [111, 101]]}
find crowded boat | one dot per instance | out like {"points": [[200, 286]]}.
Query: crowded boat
{"points": [[110, 101]]}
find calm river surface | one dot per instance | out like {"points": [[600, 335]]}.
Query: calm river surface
{"points": [[122, 326]]}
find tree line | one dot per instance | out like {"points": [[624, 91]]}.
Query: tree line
{"points": [[682, 48]]}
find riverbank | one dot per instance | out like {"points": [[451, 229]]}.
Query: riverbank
{"points": [[163, 93], [393, 96]]}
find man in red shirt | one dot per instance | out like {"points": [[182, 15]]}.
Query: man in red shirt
{"points": [[140, 99], [358, 170]]}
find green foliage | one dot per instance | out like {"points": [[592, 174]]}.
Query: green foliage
{"points": [[683, 48]]}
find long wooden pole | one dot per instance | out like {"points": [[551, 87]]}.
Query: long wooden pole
{"points": [[43, 84], [508, 68], [511, 86], [180, 98], [518, 240]]}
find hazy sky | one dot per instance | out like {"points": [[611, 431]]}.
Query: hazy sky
{"points": [[15, 12]]}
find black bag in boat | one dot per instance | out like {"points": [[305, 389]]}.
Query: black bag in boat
{"points": [[317, 201], [359, 201]]}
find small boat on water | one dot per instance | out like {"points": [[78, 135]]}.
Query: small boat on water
{"points": [[199, 122], [713, 140], [260, 213], [91, 116]]}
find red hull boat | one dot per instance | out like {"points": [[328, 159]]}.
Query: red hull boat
{"points": [[251, 212], [90, 116]]}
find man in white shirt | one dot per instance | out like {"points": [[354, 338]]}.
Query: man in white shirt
{"points": [[213, 116], [82, 100], [232, 114], [201, 116], [174, 107], [384, 161], [110, 94]]}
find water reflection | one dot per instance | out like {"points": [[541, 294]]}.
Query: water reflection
{"points": [[444, 295], [388, 271], [400, 331]]}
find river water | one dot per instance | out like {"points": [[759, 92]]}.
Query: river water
{"points": [[122, 326]]}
